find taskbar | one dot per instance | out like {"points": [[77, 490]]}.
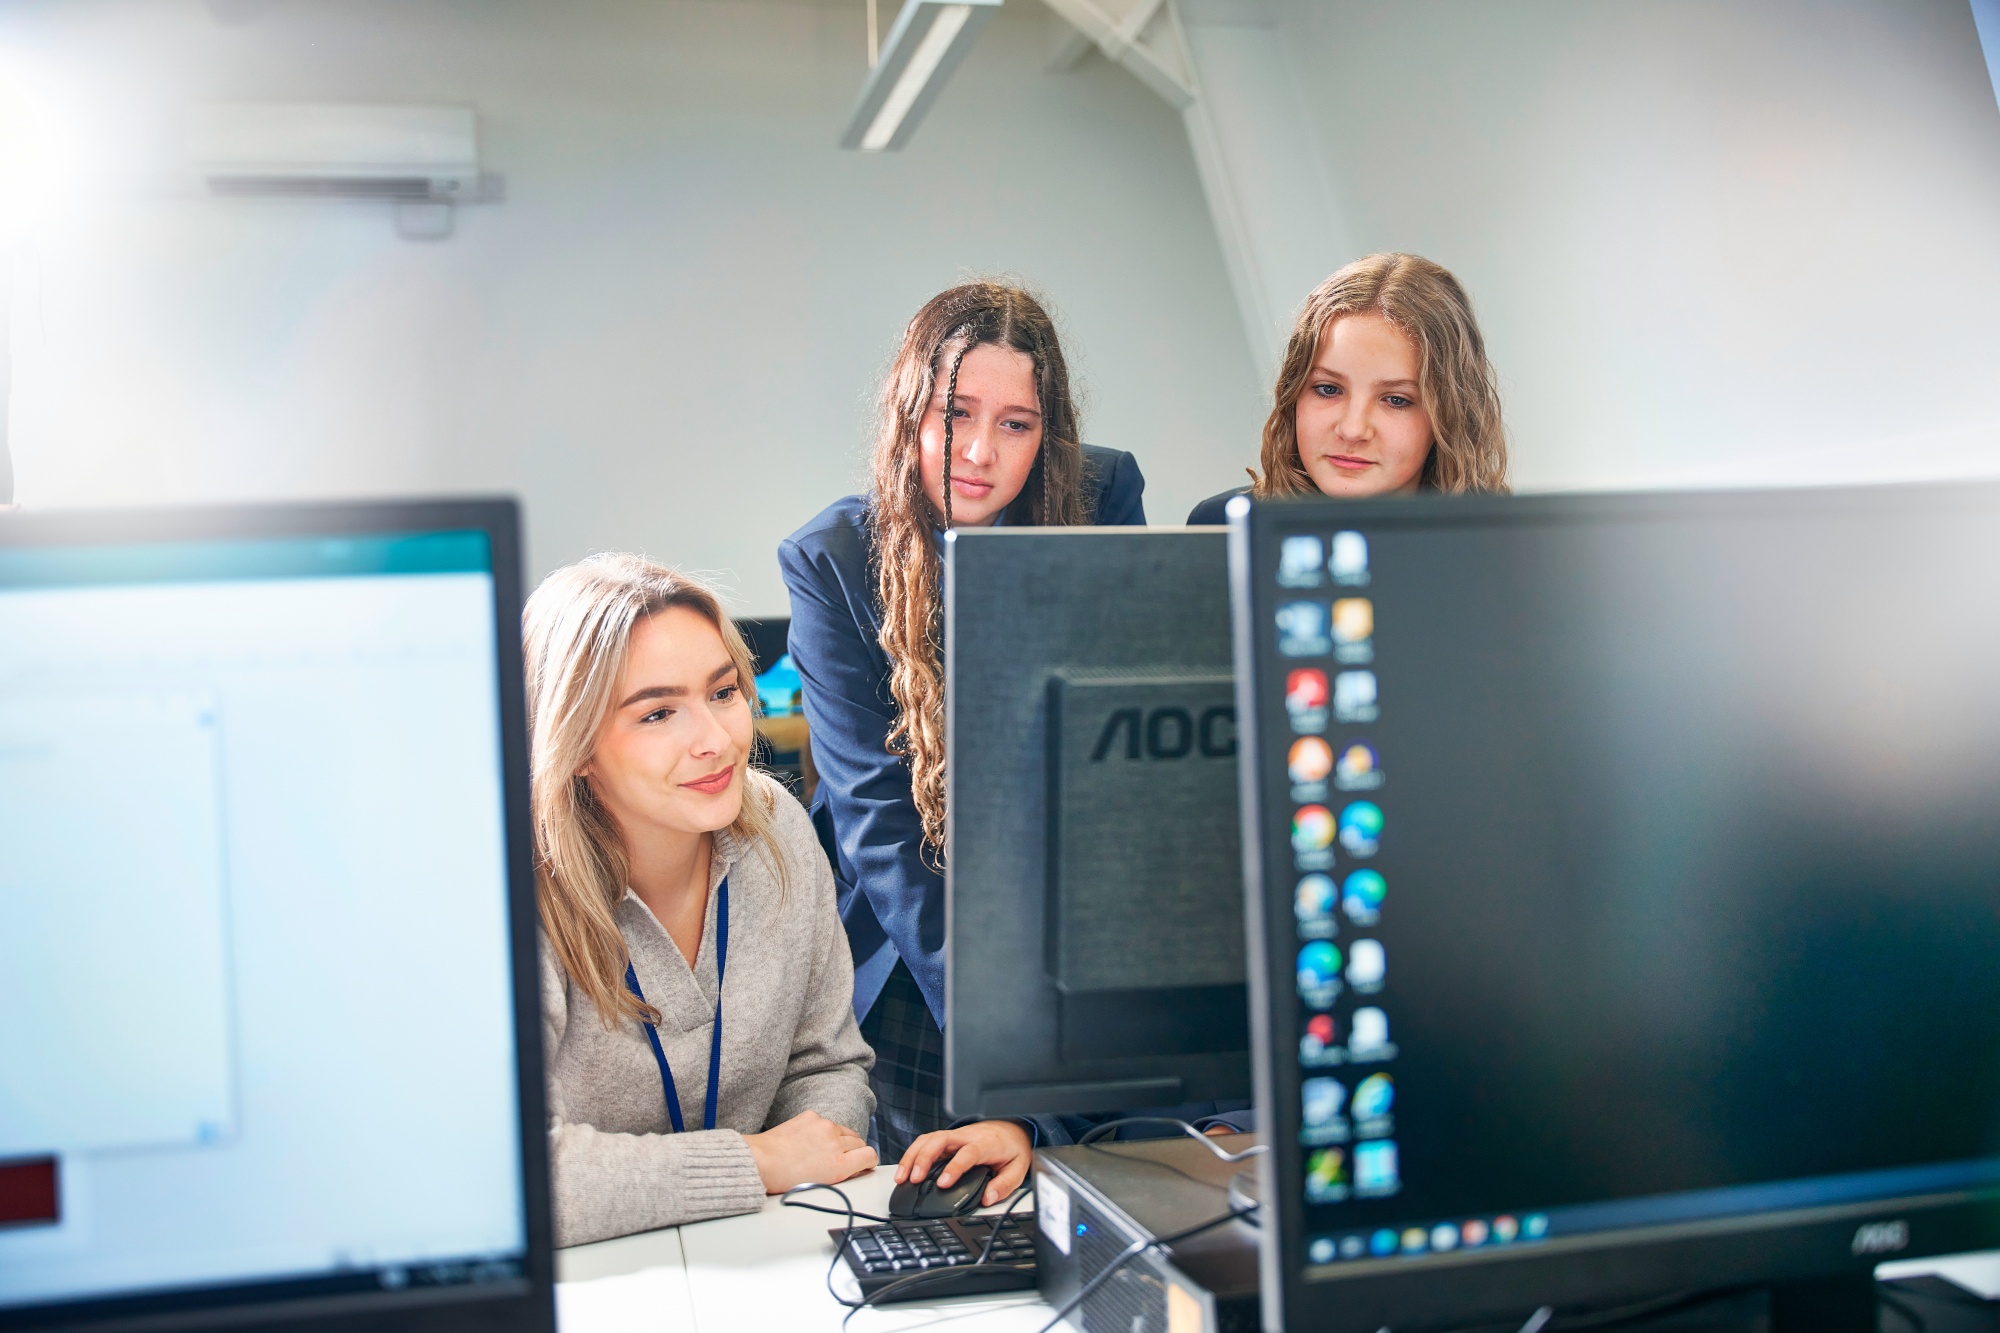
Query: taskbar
{"points": [[1347, 1252], [386, 1286]]}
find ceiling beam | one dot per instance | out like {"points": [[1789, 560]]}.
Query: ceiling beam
{"points": [[1142, 35]]}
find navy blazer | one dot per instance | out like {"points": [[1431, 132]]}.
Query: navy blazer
{"points": [[891, 898], [1209, 513]]}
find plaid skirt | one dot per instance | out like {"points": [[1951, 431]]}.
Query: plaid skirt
{"points": [[908, 1077]]}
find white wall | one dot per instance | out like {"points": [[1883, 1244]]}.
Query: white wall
{"points": [[1711, 241], [665, 338]]}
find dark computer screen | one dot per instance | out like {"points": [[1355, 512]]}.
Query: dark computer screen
{"points": [[1626, 864]]}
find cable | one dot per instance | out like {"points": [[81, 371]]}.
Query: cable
{"points": [[1136, 1248], [1097, 1132], [846, 1234], [790, 1202], [986, 1250]]}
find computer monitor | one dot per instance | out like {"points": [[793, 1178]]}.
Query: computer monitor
{"points": [[1094, 953], [267, 935], [1623, 873]]}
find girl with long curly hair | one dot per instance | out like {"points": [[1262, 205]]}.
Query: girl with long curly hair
{"points": [[1385, 389], [977, 428]]}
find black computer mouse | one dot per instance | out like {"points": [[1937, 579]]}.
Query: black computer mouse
{"points": [[923, 1198]]}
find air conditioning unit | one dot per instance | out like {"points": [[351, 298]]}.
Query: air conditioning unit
{"points": [[424, 158]]}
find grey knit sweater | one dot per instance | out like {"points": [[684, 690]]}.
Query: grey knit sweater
{"points": [[789, 1044]]}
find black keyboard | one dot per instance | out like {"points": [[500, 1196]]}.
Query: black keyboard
{"points": [[878, 1256]]}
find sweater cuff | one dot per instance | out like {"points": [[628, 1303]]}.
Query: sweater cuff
{"points": [[718, 1176]]}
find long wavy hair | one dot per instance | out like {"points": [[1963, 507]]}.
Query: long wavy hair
{"points": [[576, 636], [1459, 387], [904, 526]]}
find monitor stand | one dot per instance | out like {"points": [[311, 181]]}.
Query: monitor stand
{"points": [[1844, 1304]]}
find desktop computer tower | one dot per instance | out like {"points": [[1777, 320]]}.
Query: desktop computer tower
{"points": [[1095, 1201]]}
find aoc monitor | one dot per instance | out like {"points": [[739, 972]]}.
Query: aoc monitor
{"points": [[270, 1056], [1094, 954], [1625, 895]]}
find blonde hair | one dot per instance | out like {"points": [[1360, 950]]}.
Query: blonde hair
{"points": [[576, 636], [1459, 387], [907, 568]]}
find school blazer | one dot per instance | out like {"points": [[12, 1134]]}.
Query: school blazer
{"points": [[1212, 511], [891, 899]]}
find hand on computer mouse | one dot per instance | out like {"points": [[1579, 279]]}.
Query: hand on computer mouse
{"points": [[808, 1149], [1000, 1144]]}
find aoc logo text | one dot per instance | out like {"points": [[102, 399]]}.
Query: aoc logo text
{"points": [[1882, 1237], [1168, 733]]}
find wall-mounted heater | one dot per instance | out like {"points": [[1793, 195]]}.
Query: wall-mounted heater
{"points": [[424, 159], [928, 40]]}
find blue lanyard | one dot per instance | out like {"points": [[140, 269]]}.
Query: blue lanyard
{"points": [[715, 1041]]}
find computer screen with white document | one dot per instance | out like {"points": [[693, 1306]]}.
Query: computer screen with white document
{"points": [[266, 921]]}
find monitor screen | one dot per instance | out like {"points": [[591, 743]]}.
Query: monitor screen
{"points": [[1628, 872], [258, 945], [1094, 890]]}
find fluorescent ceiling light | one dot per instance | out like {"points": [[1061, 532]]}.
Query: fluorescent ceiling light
{"points": [[928, 40]]}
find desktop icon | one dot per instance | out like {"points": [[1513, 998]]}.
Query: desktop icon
{"points": [[1354, 697], [1383, 1243], [1310, 760], [1326, 1176], [1319, 974], [1415, 1240], [1302, 629], [1373, 1097], [1368, 1035], [1321, 1101], [1505, 1229], [1322, 1250], [1316, 1048], [1312, 904], [1312, 828], [1359, 768], [1473, 1233], [1444, 1236], [1351, 1247], [1312, 836], [1305, 700], [1361, 897], [1349, 562], [1299, 562], [1375, 1169], [1361, 828], [1366, 965], [1353, 630], [1535, 1226]]}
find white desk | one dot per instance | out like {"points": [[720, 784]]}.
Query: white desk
{"points": [[767, 1271], [761, 1271]]}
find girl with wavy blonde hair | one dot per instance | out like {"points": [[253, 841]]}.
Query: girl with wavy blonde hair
{"points": [[1384, 388], [697, 1034], [977, 427]]}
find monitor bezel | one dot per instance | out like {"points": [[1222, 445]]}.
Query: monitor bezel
{"points": [[526, 1305], [1466, 1287]]}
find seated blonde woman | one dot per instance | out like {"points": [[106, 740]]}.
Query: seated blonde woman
{"points": [[697, 992]]}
